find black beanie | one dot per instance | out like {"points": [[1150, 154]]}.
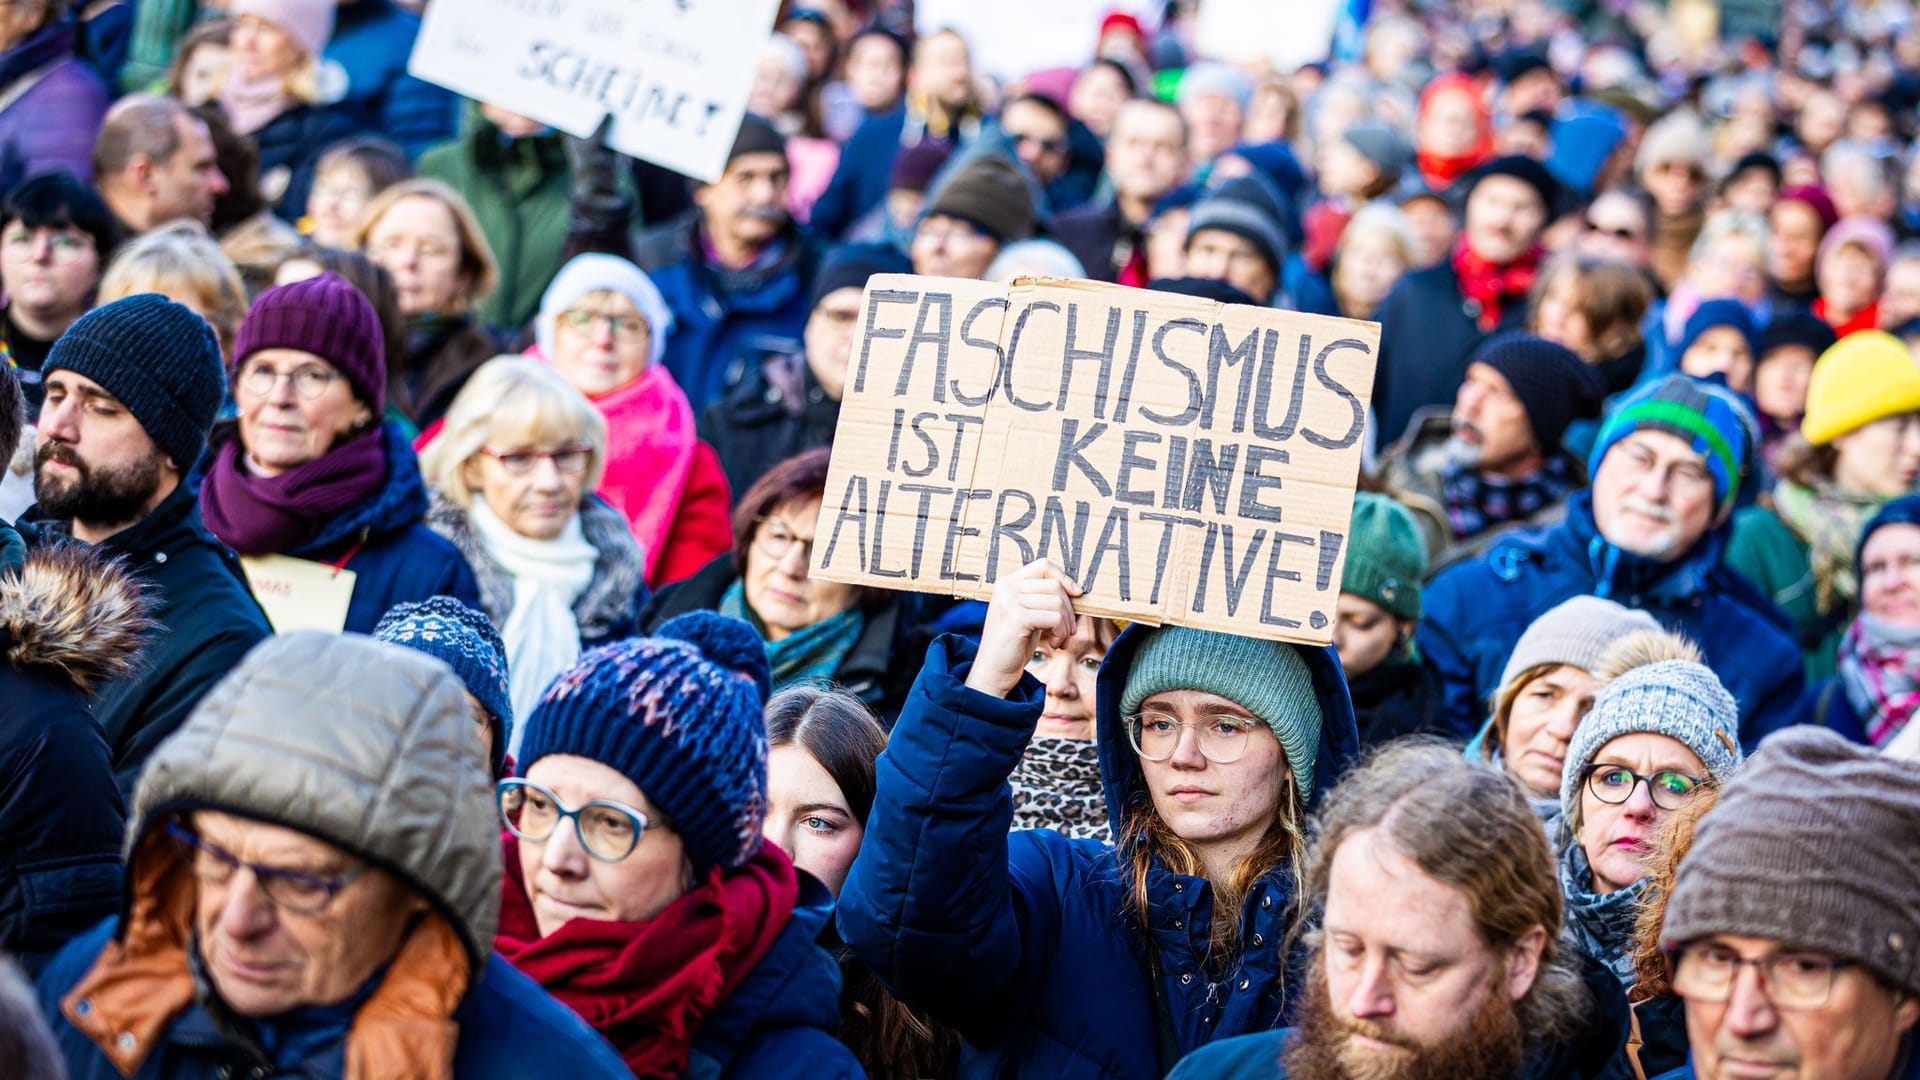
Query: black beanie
{"points": [[1250, 208], [158, 359], [850, 270], [1524, 169], [1555, 386], [1796, 327], [756, 136], [1205, 288], [990, 194]]}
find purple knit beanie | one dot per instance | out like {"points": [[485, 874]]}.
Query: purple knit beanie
{"points": [[325, 316]]}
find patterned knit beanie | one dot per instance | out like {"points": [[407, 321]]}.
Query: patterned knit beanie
{"points": [[1267, 678], [464, 640], [158, 359], [681, 715], [1677, 698], [1812, 846], [1711, 419], [325, 316]]}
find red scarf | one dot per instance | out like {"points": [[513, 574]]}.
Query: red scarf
{"points": [[1867, 318], [648, 986], [1493, 286], [1441, 170]]}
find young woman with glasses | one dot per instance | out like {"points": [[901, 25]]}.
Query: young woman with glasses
{"points": [[1660, 732], [603, 326], [513, 473], [1076, 958], [816, 632], [308, 469], [639, 888]]}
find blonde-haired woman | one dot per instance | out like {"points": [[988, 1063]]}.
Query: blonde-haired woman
{"points": [[274, 93], [513, 473], [184, 264], [424, 235], [1375, 250]]}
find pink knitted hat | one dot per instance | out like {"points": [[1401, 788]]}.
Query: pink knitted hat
{"points": [[308, 22]]}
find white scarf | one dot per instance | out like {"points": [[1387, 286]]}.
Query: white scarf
{"points": [[541, 634]]}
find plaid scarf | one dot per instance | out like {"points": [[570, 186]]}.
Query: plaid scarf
{"points": [[1880, 672], [1477, 502]]}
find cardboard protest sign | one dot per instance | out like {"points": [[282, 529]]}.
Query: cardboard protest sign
{"points": [[1187, 462], [674, 74]]}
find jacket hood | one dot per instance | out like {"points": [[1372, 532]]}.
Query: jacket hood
{"points": [[367, 746], [1120, 774], [400, 504], [72, 611]]}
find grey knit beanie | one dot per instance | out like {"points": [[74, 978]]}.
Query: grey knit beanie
{"points": [[1575, 632], [1677, 698], [1267, 678], [1813, 846]]}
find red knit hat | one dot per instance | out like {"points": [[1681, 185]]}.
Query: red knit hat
{"points": [[325, 316]]}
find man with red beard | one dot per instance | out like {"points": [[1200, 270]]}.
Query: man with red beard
{"points": [[132, 389], [1437, 953]]}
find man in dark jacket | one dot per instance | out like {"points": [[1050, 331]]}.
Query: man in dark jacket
{"points": [[1433, 319], [1146, 157], [1805, 874], [794, 404], [1650, 534], [1496, 459], [1438, 951], [70, 620], [131, 392], [343, 774], [734, 270]]}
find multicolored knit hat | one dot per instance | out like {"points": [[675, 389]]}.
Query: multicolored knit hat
{"points": [[1709, 418], [681, 715], [464, 640]]}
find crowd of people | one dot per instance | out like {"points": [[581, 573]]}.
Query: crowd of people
{"points": [[410, 667]]}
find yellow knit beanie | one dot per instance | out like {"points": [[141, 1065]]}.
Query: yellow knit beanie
{"points": [[1865, 376]]}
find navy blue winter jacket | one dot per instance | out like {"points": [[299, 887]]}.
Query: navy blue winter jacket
{"points": [[371, 42], [396, 559], [509, 1029], [1025, 943], [1476, 610]]}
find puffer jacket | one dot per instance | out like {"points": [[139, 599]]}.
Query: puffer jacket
{"points": [[385, 541], [70, 620], [207, 618], [725, 321], [401, 786], [1024, 943], [1475, 612]]}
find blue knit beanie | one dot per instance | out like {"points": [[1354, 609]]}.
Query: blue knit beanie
{"points": [[1267, 678], [681, 714], [1709, 418], [1904, 510], [1713, 313], [464, 640], [158, 359]]}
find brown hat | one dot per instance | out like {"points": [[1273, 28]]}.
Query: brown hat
{"points": [[1813, 846], [990, 194]]}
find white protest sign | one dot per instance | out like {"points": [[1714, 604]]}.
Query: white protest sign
{"points": [[674, 74], [1287, 35], [1187, 462], [1011, 39]]}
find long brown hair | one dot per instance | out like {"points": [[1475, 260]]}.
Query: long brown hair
{"points": [[1284, 844], [1671, 842]]}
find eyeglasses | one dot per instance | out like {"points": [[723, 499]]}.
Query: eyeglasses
{"points": [[1222, 738], [1670, 789], [1045, 144], [627, 329], [774, 540], [951, 230], [309, 380], [1618, 232], [304, 894], [567, 460], [608, 831], [1796, 981]]}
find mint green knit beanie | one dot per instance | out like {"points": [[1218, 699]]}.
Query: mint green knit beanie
{"points": [[1269, 679]]}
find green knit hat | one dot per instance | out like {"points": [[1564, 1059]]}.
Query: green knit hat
{"points": [[1386, 555], [1267, 678]]}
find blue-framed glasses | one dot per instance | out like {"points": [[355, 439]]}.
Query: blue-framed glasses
{"points": [[307, 894], [608, 831]]}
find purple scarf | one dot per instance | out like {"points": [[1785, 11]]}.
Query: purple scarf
{"points": [[272, 515]]}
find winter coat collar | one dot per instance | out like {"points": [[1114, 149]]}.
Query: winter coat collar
{"points": [[46, 47], [399, 505], [795, 985], [1622, 575], [73, 612], [759, 289], [617, 574], [172, 526]]}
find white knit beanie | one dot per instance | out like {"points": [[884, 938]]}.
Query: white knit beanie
{"points": [[591, 273], [1575, 632]]}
